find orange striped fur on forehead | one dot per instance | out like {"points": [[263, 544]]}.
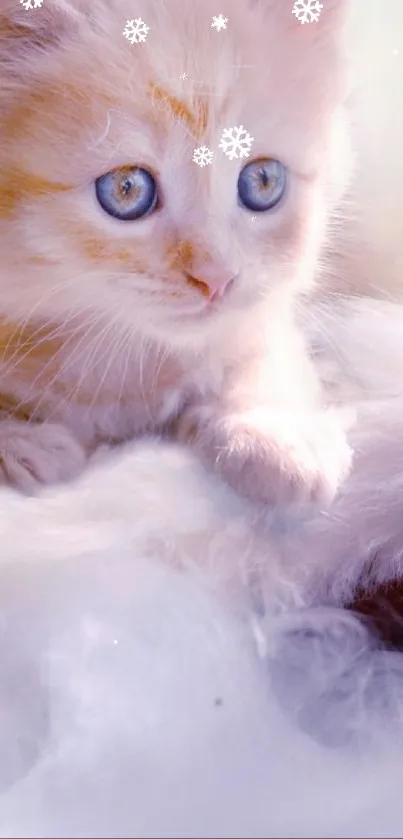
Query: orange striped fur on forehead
{"points": [[196, 120]]}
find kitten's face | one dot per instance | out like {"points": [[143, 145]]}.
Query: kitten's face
{"points": [[102, 208]]}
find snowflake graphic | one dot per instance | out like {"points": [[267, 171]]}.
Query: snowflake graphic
{"points": [[236, 142], [219, 22], [31, 4], [307, 11], [202, 156], [136, 31]]}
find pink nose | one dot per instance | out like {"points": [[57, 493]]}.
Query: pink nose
{"points": [[219, 292], [212, 290]]}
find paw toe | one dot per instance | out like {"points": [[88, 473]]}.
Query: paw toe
{"points": [[37, 455]]}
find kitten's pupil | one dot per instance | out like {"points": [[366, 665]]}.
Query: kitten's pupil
{"points": [[264, 177], [126, 186]]}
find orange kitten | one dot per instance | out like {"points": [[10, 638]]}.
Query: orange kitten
{"points": [[140, 291]]}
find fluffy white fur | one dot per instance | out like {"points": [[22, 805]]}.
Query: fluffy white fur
{"points": [[155, 680], [139, 700]]}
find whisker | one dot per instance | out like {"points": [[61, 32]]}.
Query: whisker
{"points": [[129, 344], [113, 354], [21, 324], [61, 371], [142, 358], [58, 330], [91, 358]]}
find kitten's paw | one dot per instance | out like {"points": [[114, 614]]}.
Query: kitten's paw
{"points": [[277, 460], [287, 460], [34, 455]]}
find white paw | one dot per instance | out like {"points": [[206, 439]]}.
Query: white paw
{"points": [[275, 459], [37, 454], [290, 460]]}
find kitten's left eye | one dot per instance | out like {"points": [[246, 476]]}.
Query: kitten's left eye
{"points": [[127, 194], [261, 184]]}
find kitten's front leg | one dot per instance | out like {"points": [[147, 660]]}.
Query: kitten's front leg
{"points": [[36, 454], [272, 456]]}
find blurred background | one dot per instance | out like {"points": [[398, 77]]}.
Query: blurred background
{"points": [[375, 48]]}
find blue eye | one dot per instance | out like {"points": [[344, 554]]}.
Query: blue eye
{"points": [[127, 194], [261, 184]]}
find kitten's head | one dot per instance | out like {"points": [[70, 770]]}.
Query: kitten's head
{"points": [[103, 208]]}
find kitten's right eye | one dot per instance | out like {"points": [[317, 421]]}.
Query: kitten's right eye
{"points": [[127, 194]]}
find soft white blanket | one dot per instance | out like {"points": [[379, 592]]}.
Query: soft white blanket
{"points": [[143, 694]]}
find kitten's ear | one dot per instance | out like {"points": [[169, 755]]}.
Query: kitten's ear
{"points": [[23, 30]]}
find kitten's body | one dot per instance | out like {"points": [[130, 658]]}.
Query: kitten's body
{"points": [[109, 329], [134, 384], [140, 387], [103, 337]]}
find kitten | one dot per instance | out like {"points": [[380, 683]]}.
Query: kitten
{"points": [[140, 292]]}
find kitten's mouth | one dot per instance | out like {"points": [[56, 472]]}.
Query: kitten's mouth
{"points": [[211, 307], [203, 313]]}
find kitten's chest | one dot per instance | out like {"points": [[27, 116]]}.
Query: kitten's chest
{"points": [[139, 394], [135, 394], [115, 394]]}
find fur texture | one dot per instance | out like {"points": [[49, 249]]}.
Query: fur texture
{"points": [[124, 682], [109, 327], [135, 700]]}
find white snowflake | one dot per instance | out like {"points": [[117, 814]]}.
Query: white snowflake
{"points": [[219, 22], [31, 4], [136, 31], [202, 156], [307, 11], [236, 142]]}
